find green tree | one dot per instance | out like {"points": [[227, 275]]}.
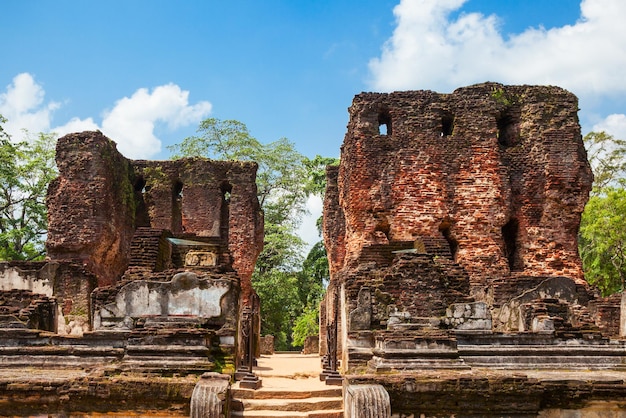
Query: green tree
{"points": [[603, 240], [314, 275], [282, 196], [278, 291], [602, 236], [606, 155], [26, 168], [307, 324], [313, 279], [316, 169]]}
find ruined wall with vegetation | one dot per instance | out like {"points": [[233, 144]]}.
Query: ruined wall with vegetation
{"points": [[451, 228], [91, 205], [100, 199], [499, 172], [212, 201]]}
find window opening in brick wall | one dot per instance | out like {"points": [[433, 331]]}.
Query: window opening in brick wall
{"points": [[142, 218], [510, 233], [384, 227], [140, 185], [447, 124], [226, 190], [384, 123], [444, 228], [177, 207], [508, 127]]}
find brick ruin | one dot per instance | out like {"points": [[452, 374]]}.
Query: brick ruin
{"points": [[451, 229], [148, 268], [456, 286], [126, 220]]}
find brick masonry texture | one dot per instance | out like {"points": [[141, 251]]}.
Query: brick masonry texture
{"points": [[499, 172], [101, 199]]}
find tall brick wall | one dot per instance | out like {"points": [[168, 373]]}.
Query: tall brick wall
{"points": [[91, 205], [499, 171], [100, 198]]}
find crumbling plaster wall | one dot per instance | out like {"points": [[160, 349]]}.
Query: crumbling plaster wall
{"points": [[501, 171], [69, 283]]}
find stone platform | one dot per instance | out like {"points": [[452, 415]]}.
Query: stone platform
{"points": [[485, 392]]}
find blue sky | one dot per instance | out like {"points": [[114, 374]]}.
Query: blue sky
{"points": [[146, 72]]}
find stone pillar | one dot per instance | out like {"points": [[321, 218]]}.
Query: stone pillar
{"points": [[366, 401], [211, 396], [622, 317]]}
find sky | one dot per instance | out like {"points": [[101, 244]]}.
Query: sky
{"points": [[146, 72]]}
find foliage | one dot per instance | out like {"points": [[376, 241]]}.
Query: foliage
{"points": [[316, 169], [314, 276], [606, 156], [306, 324], [26, 168], [312, 284], [603, 240], [278, 291], [316, 182], [281, 248], [503, 97], [602, 237]]}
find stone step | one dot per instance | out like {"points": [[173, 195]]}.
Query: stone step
{"points": [[291, 405], [284, 397], [167, 350], [335, 413], [269, 393]]}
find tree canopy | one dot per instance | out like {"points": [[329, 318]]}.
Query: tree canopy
{"points": [[602, 237], [607, 156], [26, 168]]}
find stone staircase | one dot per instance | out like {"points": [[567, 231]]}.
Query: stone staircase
{"points": [[317, 402], [290, 389]]}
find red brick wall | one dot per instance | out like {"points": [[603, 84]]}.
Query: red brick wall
{"points": [[513, 155], [100, 198], [90, 205]]}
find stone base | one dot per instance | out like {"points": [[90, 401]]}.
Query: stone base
{"points": [[251, 382], [567, 356], [331, 377], [247, 379], [382, 365]]}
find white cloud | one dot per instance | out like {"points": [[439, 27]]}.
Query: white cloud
{"points": [[23, 106], [76, 125], [308, 229], [614, 124], [132, 120], [130, 123], [431, 50]]}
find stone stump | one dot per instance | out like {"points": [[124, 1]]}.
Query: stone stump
{"points": [[366, 401], [211, 396], [267, 344], [311, 345]]}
